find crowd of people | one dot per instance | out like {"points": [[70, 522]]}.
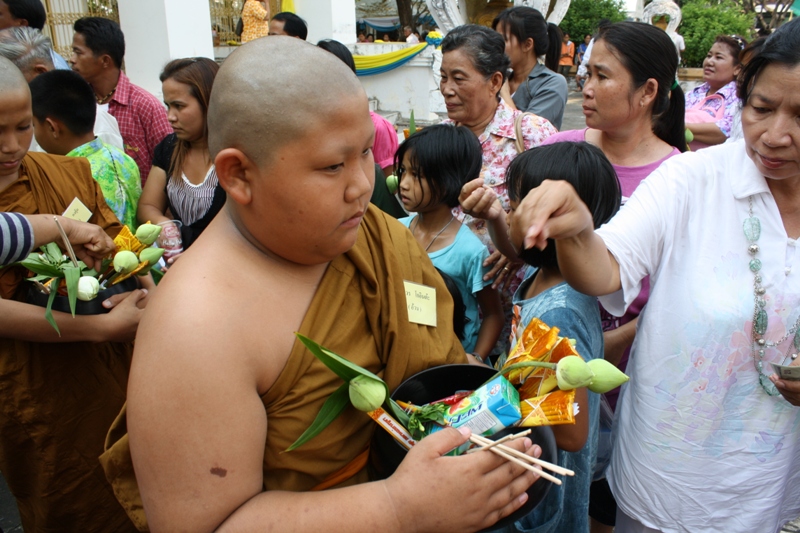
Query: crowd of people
{"points": [[645, 237]]}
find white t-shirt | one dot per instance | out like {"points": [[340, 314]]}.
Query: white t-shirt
{"points": [[700, 446], [412, 39]]}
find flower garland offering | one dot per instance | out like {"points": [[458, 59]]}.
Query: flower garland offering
{"points": [[56, 274]]}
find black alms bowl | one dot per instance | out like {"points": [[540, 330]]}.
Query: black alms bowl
{"points": [[92, 307], [437, 383]]}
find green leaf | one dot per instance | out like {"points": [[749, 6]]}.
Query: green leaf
{"points": [[338, 364], [412, 124], [53, 253], [88, 271], [398, 412], [40, 278], [332, 408], [48, 311], [72, 275], [40, 267], [424, 414]]}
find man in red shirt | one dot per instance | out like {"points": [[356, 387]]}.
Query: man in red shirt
{"points": [[98, 47]]}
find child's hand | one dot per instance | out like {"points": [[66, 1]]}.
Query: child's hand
{"points": [[479, 201]]}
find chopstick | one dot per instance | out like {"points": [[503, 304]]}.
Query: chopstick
{"points": [[514, 460], [483, 441], [70, 251], [510, 436]]}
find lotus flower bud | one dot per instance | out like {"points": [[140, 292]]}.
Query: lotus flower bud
{"points": [[366, 393], [125, 262], [151, 255], [88, 287], [606, 376], [392, 183], [688, 135], [572, 372], [148, 233]]}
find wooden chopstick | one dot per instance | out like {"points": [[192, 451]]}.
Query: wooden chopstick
{"points": [[510, 436], [70, 251], [514, 460], [544, 464]]}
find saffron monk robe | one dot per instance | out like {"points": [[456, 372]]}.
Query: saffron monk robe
{"points": [[58, 395], [220, 387]]}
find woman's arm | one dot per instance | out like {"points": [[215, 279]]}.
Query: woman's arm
{"points": [[493, 321], [153, 202], [707, 133]]}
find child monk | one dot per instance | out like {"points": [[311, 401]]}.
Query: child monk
{"points": [[220, 387], [58, 394]]}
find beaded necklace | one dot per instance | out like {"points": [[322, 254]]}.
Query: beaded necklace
{"points": [[752, 231]]}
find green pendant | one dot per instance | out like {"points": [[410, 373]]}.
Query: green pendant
{"points": [[755, 265], [760, 325], [797, 340], [752, 229], [768, 386]]}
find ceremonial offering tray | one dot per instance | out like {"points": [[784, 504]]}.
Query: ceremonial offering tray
{"points": [[92, 307]]}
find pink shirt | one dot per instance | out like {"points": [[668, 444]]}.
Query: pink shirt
{"points": [[142, 122], [385, 141]]}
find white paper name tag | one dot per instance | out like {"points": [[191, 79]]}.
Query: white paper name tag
{"points": [[421, 303], [77, 211]]}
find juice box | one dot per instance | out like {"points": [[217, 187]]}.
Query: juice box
{"points": [[489, 409]]}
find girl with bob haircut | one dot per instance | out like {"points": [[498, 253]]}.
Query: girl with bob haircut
{"points": [[544, 294], [533, 48], [432, 166], [183, 176]]}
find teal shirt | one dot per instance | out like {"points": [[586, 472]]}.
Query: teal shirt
{"points": [[118, 177]]}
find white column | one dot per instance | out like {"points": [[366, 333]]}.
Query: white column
{"points": [[158, 31], [328, 19]]}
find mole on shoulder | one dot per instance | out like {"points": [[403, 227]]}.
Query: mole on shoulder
{"points": [[217, 471]]}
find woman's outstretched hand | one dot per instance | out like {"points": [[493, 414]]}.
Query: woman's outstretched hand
{"points": [[553, 210]]}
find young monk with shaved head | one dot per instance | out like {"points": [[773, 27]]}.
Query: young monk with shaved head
{"points": [[58, 394], [220, 387]]}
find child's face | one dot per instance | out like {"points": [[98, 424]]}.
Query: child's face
{"points": [[515, 232], [307, 204], [16, 130], [414, 193]]}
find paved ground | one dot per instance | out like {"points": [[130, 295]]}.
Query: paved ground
{"points": [[573, 119]]}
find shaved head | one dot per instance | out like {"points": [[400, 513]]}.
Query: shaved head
{"points": [[268, 92], [11, 78]]}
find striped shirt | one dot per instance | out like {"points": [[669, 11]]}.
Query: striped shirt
{"points": [[191, 202], [16, 238]]}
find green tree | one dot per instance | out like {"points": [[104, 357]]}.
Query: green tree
{"points": [[703, 20], [583, 16]]}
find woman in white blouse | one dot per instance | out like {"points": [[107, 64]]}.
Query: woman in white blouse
{"points": [[708, 437]]}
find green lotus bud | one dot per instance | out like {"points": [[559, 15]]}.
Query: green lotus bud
{"points": [[606, 376], [148, 233], [688, 135], [151, 255], [392, 183], [572, 372], [366, 393], [88, 287], [125, 262]]}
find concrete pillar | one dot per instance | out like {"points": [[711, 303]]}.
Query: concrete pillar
{"points": [[158, 31], [328, 19]]}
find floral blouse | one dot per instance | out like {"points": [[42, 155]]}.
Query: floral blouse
{"points": [[254, 21], [728, 92], [498, 142]]}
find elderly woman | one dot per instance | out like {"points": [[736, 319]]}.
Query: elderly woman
{"points": [[704, 422], [711, 106], [474, 68]]}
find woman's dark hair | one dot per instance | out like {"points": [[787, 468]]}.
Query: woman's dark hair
{"points": [[751, 50], [581, 164], [446, 156], [734, 43], [782, 47], [29, 10], [340, 51], [485, 47], [459, 309], [647, 52], [553, 56], [527, 23], [102, 36], [198, 74]]}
